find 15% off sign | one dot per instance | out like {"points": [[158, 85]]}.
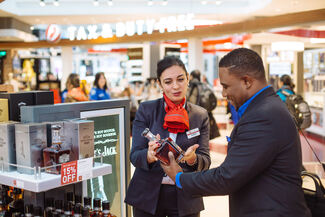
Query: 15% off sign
{"points": [[75, 171]]}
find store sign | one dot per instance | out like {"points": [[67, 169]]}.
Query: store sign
{"points": [[76, 171], [130, 28]]}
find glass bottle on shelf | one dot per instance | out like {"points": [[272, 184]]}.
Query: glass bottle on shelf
{"points": [[96, 212], [106, 209], [87, 204], [166, 145], [29, 210], [68, 209], [49, 205], [85, 212], [58, 204], [55, 154], [38, 212], [78, 199], [77, 210], [17, 204]]}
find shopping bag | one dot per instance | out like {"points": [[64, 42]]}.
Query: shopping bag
{"points": [[315, 199]]}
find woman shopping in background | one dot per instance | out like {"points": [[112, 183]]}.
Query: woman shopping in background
{"points": [[75, 92], [151, 192], [286, 87], [100, 89]]}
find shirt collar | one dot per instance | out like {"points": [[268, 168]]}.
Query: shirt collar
{"points": [[243, 108]]}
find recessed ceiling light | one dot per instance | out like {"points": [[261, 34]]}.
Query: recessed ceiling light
{"points": [[42, 3], [96, 3]]}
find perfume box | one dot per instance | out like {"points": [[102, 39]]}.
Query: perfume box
{"points": [[79, 135], [30, 141], [4, 116], [15, 101], [7, 144], [43, 97]]}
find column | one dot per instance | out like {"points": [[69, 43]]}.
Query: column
{"points": [[195, 54], [67, 65], [298, 72]]}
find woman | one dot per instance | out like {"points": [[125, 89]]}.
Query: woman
{"points": [[99, 90], [150, 192], [286, 87], [75, 93]]}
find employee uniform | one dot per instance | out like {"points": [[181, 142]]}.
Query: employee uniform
{"points": [[98, 94], [149, 192], [261, 172]]}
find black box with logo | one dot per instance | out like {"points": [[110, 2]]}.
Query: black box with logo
{"points": [[43, 97]]}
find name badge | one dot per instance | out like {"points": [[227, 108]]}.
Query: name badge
{"points": [[193, 133]]}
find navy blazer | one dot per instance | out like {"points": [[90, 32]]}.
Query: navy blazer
{"points": [[144, 187], [261, 172]]}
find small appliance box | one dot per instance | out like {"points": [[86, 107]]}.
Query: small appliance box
{"points": [[79, 136], [7, 144], [15, 101], [4, 116], [30, 142], [43, 97]]}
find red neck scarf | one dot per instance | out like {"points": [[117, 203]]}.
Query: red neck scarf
{"points": [[176, 118]]}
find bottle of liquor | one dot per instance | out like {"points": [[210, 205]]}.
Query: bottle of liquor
{"points": [[29, 210], [68, 209], [58, 204], [49, 205], [4, 209], [106, 209], [87, 204], [38, 212], [49, 213], [97, 210], [17, 205], [77, 210], [166, 145], [85, 212], [77, 199], [55, 154]]}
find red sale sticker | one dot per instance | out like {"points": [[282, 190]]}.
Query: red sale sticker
{"points": [[69, 172]]}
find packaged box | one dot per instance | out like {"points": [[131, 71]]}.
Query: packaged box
{"points": [[30, 141], [43, 97], [4, 116], [15, 101], [79, 136], [7, 144], [49, 131]]}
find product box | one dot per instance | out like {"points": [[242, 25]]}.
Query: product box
{"points": [[43, 97], [7, 144], [15, 101], [79, 135], [4, 116], [30, 141], [49, 131]]}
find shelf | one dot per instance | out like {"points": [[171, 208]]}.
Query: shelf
{"points": [[46, 181]]}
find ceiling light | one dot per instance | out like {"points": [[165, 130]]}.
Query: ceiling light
{"points": [[96, 3], [42, 3], [204, 2], [165, 2], [218, 2], [287, 46], [32, 28], [150, 2], [56, 3], [110, 2]]}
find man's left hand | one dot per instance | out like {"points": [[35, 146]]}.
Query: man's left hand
{"points": [[173, 168]]}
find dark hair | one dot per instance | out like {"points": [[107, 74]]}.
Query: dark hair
{"points": [[73, 79], [243, 61], [168, 62], [286, 80], [97, 77], [196, 74]]}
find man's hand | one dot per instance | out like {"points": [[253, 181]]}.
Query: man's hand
{"points": [[190, 156], [173, 168], [151, 154]]}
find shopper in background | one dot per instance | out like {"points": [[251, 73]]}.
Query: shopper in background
{"points": [[261, 172], [193, 95], [151, 192], [151, 90], [75, 93], [100, 89], [286, 87]]}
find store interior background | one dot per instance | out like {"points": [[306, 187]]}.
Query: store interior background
{"points": [[289, 36]]}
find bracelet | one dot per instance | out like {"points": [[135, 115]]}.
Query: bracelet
{"points": [[192, 164]]}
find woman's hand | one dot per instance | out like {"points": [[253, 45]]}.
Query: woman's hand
{"points": [[190, 155], [151, 154]]}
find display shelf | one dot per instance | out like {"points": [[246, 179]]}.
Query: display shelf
{"points": [[45, 181]]}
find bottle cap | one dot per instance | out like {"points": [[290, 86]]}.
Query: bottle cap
{"points": [[87, 201], [97, 202], [29, 208], [58, 204], [106, 205], [38, 211]]}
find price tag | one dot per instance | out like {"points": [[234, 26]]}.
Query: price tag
{"points": [[69, 172], [85, 169]]}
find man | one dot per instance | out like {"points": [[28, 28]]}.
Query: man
{"points": [[261, 172], [200, 93]]}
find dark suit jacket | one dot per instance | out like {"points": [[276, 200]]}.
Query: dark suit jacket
{"points": [[261, 172], [143, 191]]}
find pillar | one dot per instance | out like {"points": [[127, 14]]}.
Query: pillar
{"points": [[298, 72], [67, 65], [195, 54]]}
